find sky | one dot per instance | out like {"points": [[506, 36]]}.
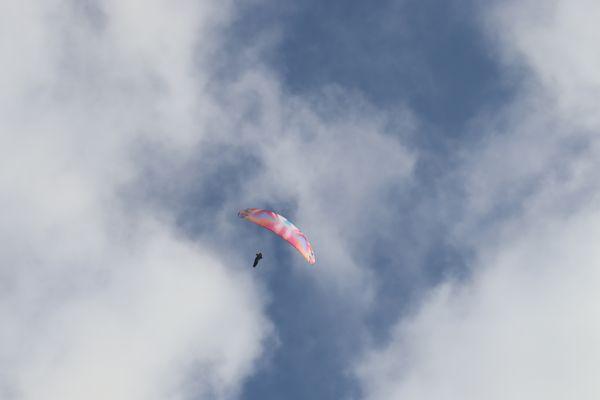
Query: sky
{"points": [[442, 157]]}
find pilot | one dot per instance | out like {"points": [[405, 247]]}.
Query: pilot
{"points": [[257, 259]]}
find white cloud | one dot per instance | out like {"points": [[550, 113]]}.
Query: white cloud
{"points": [[99, 297], [556, 40], [525, 325], [160, 311]]}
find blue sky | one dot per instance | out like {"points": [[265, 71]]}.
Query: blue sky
{"points": [[442, 157], [427, 56]]}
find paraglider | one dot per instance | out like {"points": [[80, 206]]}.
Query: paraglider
{"points": [[257, 259], [283, 228]]}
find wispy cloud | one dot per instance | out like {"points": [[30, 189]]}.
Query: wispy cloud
{"points": [[106, 293], [524, 324]]}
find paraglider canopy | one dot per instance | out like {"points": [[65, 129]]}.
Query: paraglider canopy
{"points": [[283, 228]]}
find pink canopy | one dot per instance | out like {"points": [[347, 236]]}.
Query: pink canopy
{"points": [[279, 225]]}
